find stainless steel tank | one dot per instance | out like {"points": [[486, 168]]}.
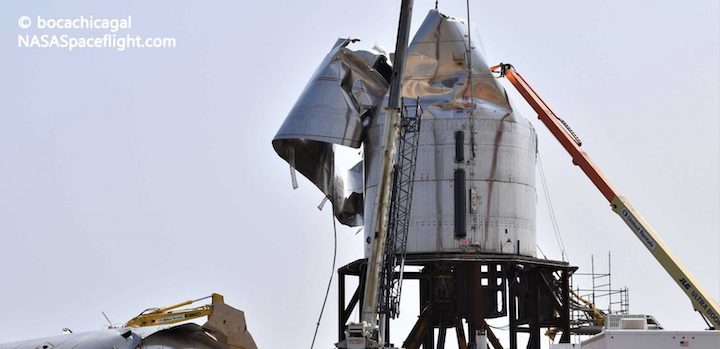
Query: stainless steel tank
{"points": [[475, 179]]}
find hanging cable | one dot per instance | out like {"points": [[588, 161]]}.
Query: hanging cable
{"points": [[551, 210], [470, 85], [332, 273], [499, 328], [541, 251]]}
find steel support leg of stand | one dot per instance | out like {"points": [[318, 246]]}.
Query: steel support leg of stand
{"points": [[442, 332], [460, 331], [534, 281], [420, 330], [341, 305], [425, 299], [512, 309], [491, 336], [565, 316]]}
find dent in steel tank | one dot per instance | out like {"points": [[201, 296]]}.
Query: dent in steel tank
{"points": [[474, 188], [472, 223]]}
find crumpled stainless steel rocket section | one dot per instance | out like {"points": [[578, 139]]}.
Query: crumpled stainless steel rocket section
{"points": [[436, 69], [347, 89], [499, 173]]}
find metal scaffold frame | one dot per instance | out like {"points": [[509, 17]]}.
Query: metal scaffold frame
{"points": [[462, 291]]}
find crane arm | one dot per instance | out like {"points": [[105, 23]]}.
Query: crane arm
{"points": [[171, 314], [620, 205], [391, 131]]}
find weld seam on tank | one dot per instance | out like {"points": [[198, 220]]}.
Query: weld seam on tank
{"points": [[460, 204]]}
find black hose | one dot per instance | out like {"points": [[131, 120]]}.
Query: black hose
{"points": [[332, 273]]}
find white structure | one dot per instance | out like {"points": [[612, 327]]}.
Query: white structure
{"points": [[655, 339], [642, 331]]}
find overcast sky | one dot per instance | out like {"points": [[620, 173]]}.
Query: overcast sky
{"points": [[145, 177]]}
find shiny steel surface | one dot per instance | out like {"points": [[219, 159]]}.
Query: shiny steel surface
{"points": [[345, 91], [97, 339], [167, 337], [499, 145], [500, 177]]}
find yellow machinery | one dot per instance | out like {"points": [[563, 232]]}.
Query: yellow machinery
{"points": [[596, 314], [226, 324], [171, 314]]}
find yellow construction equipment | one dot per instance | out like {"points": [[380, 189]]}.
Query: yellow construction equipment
{"points": [[596, 314], [172, 315], [226, 324]]}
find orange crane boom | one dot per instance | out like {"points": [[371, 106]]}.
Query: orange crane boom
{"points": [[700, 299]]}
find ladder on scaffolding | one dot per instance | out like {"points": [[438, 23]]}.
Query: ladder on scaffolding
{"points": [[399, 214]]}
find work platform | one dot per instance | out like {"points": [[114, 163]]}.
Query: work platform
{"points": [[534, 293]]}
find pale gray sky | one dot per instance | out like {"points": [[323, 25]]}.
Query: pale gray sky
{"points": [[141, 178]]}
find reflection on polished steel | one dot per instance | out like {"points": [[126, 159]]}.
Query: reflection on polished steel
{"points": [[493, 147], [345, 91], [474, 186]]}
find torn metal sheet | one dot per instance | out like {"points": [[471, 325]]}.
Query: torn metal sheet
{"points": [[350, 187], [437, 67], [346, 90], [495, 151]]}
